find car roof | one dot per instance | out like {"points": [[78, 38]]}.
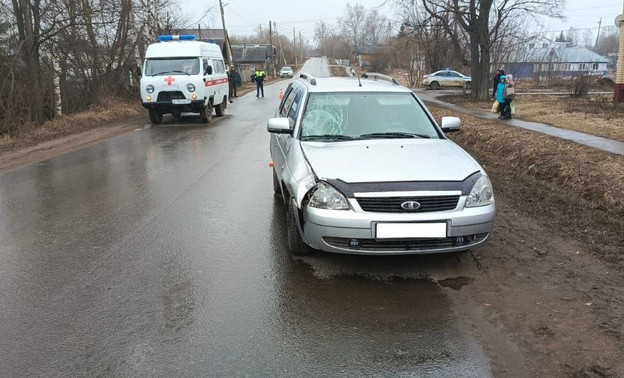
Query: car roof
{"points": [[351, 84]]}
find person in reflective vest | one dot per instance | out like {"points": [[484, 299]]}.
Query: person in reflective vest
{"points": [[259, 77]]}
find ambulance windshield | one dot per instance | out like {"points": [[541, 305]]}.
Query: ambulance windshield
{"points": [[168, 66]]}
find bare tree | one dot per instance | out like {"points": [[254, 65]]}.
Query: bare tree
{"points": [[352, 26], [473, 26], [321, 32]]}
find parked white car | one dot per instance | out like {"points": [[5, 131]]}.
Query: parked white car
{"points": [[363, 168]]}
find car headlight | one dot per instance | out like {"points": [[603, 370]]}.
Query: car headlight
{"points": [[325, 196], [149, 89], [190, 87], [481, 193]]}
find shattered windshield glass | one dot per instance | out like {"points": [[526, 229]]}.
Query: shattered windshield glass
{"points": [[348, 116]]}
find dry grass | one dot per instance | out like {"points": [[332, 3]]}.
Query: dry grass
{"points": [[109, 110], [594, 115], [571, 187]]}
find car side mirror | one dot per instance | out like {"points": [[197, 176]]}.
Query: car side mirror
{"points": [[208, 70], [279, 126], [450, 124]]}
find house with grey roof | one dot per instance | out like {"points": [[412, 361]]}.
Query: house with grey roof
{"points": [[555, 59], [248, 56], [367, 55]]}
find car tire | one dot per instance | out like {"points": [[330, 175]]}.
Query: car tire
{"points": [[297, 246], [277, 188], [155, 116], [468, 85], [434, 85], [220, 109], [205, 113]]}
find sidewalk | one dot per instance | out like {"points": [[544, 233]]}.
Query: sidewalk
{"points": [[600, 143]]}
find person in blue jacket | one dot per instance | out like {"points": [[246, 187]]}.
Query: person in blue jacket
{"points": [[500, 97]]}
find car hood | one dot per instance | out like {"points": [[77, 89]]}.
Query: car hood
{"points": [[386, 160]]}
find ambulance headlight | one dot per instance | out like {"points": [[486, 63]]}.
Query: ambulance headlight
{"points": [[190, 87], [149, 89]]}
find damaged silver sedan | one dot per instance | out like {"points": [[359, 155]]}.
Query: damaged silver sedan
{"points": [[363, 168]]}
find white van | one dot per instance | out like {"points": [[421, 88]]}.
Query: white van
{"points": [[184, 75]]}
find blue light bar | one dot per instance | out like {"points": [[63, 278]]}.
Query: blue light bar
{"points": [[183, 37]]}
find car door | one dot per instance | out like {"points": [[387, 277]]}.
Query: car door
{"points": [[455, 79], [280, 142]]}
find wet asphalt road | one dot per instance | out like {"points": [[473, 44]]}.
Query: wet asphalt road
{"points": [[163, 253]]}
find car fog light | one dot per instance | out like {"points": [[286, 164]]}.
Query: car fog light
{"points": [[194, 96], [148, 98]]}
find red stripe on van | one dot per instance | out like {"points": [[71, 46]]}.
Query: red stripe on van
{"points": [[208, 83]]}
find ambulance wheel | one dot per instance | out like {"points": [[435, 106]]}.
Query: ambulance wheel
{"points": [[206, 113], [155, 116], [220, 109]]}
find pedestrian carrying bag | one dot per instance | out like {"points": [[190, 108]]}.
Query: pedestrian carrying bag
{"points": [[510, 92], [495, 107]]}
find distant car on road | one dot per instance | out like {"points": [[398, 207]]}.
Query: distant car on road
{"points": [[363, 168], [446, 78], [286, 72]]}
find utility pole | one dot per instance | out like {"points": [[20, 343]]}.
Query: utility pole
{"points": [[270, 47], [301, 46], [228, 48], [295, 47], [598, 36], [618, 96]]}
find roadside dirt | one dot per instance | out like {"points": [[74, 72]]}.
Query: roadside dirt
{"points": [[550, 285]]}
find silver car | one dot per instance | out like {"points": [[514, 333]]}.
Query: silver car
{"points": [[363, 168], [446, 78], [286, 72]]}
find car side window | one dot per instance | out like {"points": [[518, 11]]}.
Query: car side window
{"points": [[454, 74], [281, 106], [288, 101], [294, 108]]}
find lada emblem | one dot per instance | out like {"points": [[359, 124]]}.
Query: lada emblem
{"points": [[410, 205]]}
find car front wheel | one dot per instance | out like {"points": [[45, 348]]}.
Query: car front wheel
{"points": [[155, 116], [297, 246], [205, 113]]}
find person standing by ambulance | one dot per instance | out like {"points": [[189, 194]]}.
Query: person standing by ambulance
{"points": [[259, 76]]}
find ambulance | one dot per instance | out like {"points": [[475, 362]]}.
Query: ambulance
{"points": [[180, 75]]}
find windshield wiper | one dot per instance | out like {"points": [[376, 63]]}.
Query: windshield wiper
{"points": [[394, 134], [331, 137], [166, 72]]}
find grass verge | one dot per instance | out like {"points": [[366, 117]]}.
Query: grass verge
{"points": [[572, 188], [595, 115], [108, 111]]}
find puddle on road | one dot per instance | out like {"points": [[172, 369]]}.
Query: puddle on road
{"points": [[455, 283]]}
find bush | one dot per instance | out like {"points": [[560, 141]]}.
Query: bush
{"points": [[579, 87]]}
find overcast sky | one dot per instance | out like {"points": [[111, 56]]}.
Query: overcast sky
{"points": [[244, 16]]}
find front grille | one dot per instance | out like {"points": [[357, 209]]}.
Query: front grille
{"points": [[403, 244], [168, 96], [393, 204]]}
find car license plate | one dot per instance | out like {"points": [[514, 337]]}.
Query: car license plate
{"points": [[178, 101], [410, 230]]}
